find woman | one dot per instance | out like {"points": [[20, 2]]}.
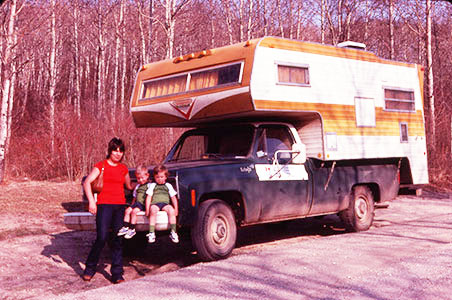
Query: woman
{"points": [[109, 209]]}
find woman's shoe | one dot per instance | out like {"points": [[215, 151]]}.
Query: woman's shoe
{"points": [[87, 277], [117, 280]]}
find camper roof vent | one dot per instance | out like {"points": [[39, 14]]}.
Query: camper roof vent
{"points": [[352, 45]]}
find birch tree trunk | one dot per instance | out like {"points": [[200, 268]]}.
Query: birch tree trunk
{"points": [[27, 86], [430, 95], [169, 25], [212, 27], [5, 130], [124, 69], [298, 33], [339, 23], [391, 29], [10, 102], [227, 3], [151, 20], [116, 66], [100, 68], [77, 73], [280, 19], [250, 20], [142, 36], [241, 17], [322, 21], [290, 16], [264, 11], [366, 22], [52, 77]]}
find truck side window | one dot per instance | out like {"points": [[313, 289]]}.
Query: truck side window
{"points": [[192, 148], [277, 138]]}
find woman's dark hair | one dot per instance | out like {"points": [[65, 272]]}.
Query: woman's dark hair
{"points": [[114, 144]]}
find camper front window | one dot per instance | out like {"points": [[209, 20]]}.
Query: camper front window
{"points": [[163, 87], [192, 81], [399, 100]]}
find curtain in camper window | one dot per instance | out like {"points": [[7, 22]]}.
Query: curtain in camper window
{"points": [[164, 87], [203, 80]]}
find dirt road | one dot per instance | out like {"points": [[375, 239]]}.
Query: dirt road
{"points": [[410, 232]]}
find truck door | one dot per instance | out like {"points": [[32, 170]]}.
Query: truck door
{"points": [[282, 185]]}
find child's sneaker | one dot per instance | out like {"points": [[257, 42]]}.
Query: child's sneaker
{"points": [[174, 237], [130, 233], [151, 237], [123, 231]]}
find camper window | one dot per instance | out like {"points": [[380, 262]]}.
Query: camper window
{"points": [[214, 77], [293, 75], [163, 87], [191, 81], [403, 132], [399, 100]]}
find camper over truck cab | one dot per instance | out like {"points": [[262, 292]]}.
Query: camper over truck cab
{"points": [[283, 129]]}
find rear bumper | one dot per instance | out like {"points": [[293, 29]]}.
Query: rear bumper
{"points": [[87, 221]]}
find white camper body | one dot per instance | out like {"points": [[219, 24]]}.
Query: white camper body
{"points": [[346, 104]]}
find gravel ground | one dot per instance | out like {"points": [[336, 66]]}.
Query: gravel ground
{"points": [[407, 254]]}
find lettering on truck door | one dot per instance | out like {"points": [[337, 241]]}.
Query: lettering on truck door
{"points": [[282, 185]]}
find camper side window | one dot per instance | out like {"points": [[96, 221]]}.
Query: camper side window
{"points": [[399, 100], [293, 75]]}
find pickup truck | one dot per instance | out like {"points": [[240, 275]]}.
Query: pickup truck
{"points": [[239, 174], [249, 173]]}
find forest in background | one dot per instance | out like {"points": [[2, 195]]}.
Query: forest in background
{"points": [[68, 67]]}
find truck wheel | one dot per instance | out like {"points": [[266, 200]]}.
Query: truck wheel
{"points": [[360, 213], [214, 232]]}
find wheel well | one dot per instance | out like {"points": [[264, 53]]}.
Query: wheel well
{"points": [[233, 198], [374, 188], [405, 172]]}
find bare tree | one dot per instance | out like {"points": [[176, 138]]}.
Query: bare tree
{"points": [[7, 92], [430, 90], [77, 65], [391, 29], [118, 40], [227, 6], [250, 20], [52, 75], [280, 17], [172, 10], [144, 49]]}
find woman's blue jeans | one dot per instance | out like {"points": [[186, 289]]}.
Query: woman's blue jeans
{"points": [[109, 216]]}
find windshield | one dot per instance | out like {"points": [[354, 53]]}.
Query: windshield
{"points": [[214, 143]]}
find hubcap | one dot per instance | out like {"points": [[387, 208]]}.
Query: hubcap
{"points": [[219, 229], [361, 208]]}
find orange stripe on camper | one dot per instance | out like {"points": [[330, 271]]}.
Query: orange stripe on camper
{"points": [[341, 118]]}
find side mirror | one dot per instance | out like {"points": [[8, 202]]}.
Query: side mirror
{"points": [[261, 154], [299, 153]]}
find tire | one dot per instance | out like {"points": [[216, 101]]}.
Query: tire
{"points": [[214, 233], [359, 215]]}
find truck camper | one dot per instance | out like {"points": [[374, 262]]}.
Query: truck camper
{"points": [[283, 129]]}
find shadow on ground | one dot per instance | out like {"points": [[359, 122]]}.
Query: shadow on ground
{"points": [[141, 258]]}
